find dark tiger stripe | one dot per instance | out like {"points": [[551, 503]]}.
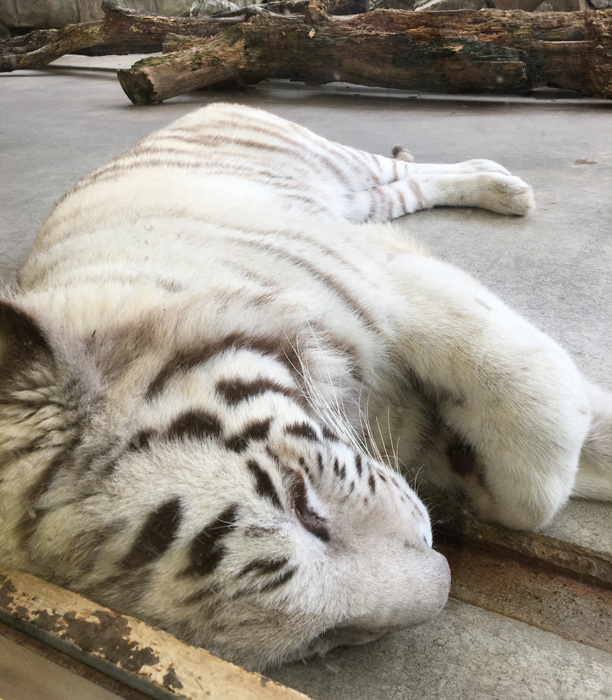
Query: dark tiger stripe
{"points": [[199, 596], [305, 238], [372, 483], [336, 467], [207, 166], [156, 534], [357, 162], [358, 464], [297, 147], [237, 390], [302, 430], [26, 448], [261, 567], [272, 455], [329, 434], [194, 425], [267, 246], [124, 166], [141, 440], [64, 459], [375, 202], [420, 197], [258, 430], [191, 425], [263, 483], [402, 197], [207, 549], [302, 463], [189, 358], [128, 584], [395, 174], [291, 148], [280, 581], [326, 279]]}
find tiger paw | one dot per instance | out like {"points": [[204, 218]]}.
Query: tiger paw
{"points": [[506, 194]]}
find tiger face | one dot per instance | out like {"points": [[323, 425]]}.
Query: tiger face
{"points": [[206, 499]]}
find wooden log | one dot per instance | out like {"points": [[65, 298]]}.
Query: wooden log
{"points": [[458, 51], [38, 48], [125, 648], [124, 30]]}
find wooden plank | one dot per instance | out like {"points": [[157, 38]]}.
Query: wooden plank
{"points": [[125, 648]]}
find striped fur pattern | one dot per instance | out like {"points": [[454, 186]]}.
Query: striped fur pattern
{"points": [[200, 364]]}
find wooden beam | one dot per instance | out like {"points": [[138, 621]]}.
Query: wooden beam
{"points": [[125, 648]]}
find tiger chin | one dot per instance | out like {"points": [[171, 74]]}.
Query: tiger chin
{"points": [[212, 355]]}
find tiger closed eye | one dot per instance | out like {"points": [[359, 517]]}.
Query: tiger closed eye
{"points": [[305, 514]]}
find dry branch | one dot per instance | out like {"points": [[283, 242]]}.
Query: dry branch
{"points": [[460, 51]]}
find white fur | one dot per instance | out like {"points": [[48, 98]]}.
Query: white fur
{"points": [[234, 223]]}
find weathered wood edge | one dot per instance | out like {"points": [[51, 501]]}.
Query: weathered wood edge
{"points": [[127, 649]]}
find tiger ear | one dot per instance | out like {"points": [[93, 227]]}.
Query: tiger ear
{"points": [[21, 337]]}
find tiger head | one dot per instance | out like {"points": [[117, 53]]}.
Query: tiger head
{"points": [[203, 496]]}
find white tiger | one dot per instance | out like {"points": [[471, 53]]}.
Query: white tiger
{"points": [[196, 361]]}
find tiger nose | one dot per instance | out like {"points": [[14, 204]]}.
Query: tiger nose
{"points": [[443, 576]]}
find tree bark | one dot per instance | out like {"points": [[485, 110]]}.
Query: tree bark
{"points": [[459, 51], [128, 31], [38, 48]]}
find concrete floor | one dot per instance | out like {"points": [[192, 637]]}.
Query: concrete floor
{"points": [[554, 266]]}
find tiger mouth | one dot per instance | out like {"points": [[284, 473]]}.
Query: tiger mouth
{"points": [[349, 635]]}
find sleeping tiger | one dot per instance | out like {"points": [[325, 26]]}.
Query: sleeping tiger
{"points": [[215, 359]]}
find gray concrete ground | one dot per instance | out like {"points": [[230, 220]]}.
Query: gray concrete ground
{"points": [[554, 266], [466, 654]]}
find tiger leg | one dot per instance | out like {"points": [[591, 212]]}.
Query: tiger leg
{"points": [[466, 184], [508, 394]]}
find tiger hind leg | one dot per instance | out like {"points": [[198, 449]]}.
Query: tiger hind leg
{"points": [[474, 183]]}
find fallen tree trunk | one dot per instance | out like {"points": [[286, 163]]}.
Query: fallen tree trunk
{"points": [[128, 31], [459, 51], [39, 48]]}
